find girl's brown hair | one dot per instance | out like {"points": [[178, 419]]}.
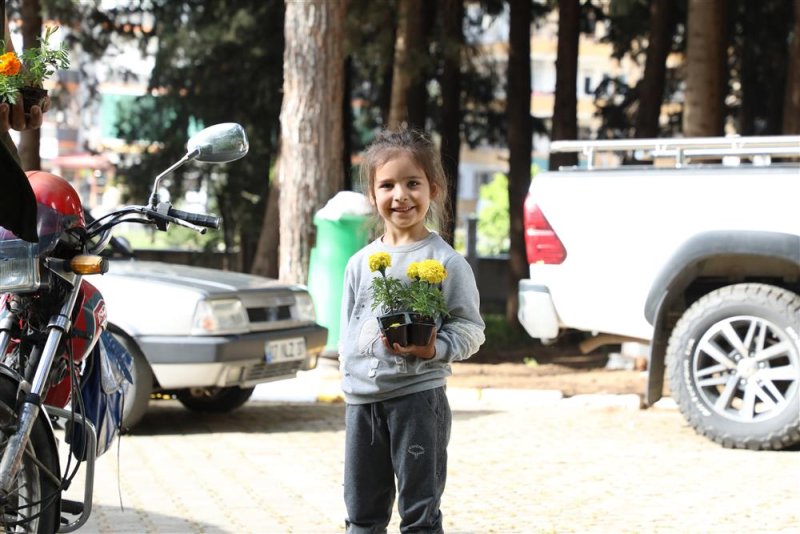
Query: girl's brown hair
{"points": [[416, 144]]}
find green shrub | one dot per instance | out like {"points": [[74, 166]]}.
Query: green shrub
{"points": [[500, 335]]}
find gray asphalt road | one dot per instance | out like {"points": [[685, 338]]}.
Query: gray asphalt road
{"points": [[531, 465]]}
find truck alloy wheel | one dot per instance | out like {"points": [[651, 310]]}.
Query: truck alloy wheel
{"points": [[734, 366]]}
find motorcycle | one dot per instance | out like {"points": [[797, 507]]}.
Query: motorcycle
{"points": [[59, 368]]}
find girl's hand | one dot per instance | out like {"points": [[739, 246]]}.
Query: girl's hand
{"points": [[423, 352]]}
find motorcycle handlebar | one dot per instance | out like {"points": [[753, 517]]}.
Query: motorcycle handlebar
{"points": [[200, 219]]}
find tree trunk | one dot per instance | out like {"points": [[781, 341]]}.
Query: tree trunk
{"points": [[747, 77], [387, 69], [31, 30], [791, 111], [453, 38], [310, 164], [703, 113], [265, 262], [407, 43], [651, 89], [520, 145], [347, 123], [565, 111], [417, 94]]}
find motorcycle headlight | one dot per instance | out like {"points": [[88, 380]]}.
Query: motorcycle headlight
{"points": [[305, 307], [19, 267], [216, 317]]}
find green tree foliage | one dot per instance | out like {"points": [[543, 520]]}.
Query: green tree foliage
{"points": [[215, 61], [493, 222], [756, 67], [371, 27]]}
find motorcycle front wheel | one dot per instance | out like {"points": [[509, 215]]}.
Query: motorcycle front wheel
{"points": [[34, 502]]}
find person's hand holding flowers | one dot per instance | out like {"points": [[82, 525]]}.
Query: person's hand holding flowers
{"points": [[24, 74], [421, 298]]}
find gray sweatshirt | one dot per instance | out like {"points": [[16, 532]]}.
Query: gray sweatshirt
{"points": [[371, 372]]}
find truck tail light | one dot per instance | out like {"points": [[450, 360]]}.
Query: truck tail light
{"points": [[541, 242]]}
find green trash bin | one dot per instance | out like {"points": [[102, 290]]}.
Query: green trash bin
{"points": [[337, 240]]}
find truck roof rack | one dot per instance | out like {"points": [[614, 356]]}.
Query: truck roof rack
{"points": [[682, 150]]}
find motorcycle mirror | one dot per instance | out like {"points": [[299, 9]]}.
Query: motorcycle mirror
{"points": [[221, 143]]}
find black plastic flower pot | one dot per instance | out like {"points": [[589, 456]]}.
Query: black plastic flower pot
{"points": [[32, 96], [420, 330], [395, 327]]}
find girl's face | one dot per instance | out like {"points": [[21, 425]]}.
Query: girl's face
{"points": [[402, 195]]}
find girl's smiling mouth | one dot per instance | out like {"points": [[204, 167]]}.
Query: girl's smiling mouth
{"points": [[403, 209]]}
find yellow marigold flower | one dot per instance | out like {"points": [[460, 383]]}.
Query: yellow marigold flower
{"points": [[9, 64], [431, 271], [379, 261], [413, 270]]}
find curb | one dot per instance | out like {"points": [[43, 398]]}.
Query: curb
{"points": [[488, 397], [321, 385]]}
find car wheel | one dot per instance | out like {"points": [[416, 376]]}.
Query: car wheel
{"points": [[734, 366], [137, 395], [214, 399]]}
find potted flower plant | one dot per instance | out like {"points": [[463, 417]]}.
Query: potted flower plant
{"points": [[424, 299], [387, 294], [24, 74], [409, 311]]}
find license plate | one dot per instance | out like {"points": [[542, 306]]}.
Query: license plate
{"points": [[284, 350]]}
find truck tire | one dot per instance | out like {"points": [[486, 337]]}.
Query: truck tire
{"points": [[214, 399], [733, 361]]}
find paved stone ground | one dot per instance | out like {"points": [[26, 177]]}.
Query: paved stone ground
{"points": [[530, 463]]}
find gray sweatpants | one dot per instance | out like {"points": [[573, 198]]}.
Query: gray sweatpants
{"points": [[404, 437]]}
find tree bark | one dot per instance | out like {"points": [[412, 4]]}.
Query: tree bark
{"points": [[387, 70], [450, 82], [310, 166], [791, 111], [265, 261], [347, 123], [748, 80], [520, 145], [651, 89], [565, 110], [407, 44], [703, 112], [420, 62], [31, 30]]}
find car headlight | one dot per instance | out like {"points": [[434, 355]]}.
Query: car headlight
{"points": [[305, 307], [224, 316]]}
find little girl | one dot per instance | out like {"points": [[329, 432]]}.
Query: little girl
{"points": [[397, 415]]}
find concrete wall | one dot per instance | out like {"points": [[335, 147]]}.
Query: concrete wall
{"points": [[491, 274]]}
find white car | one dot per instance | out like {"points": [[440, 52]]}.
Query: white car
{"points": [[205, 335]]}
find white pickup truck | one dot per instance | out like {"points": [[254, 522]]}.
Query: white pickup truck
{"points": [[696, 253]]}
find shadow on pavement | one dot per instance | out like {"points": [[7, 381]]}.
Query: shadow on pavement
{"points": [[107, 518], [170, 417]]}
